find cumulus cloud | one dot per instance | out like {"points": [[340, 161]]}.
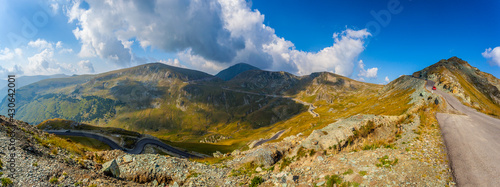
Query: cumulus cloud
{"points": [[493, 55], [174, 62], [206, 35], [40, 44], [86, 66], [168, 25], [6, 54], [44, 62], [386, 79], [370, 73]]}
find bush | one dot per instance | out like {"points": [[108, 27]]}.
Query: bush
{"points": [[363, 173], [386, 162], [348, 172], [332, 180], [6, 181], [256, 181], [53, 180]]}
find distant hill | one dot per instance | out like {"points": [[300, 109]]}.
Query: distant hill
{"points": [[473, 87], [229, 73], [26, 80], [151, 98]]}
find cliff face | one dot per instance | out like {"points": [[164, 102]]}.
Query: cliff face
{"points": [[474, 87]]}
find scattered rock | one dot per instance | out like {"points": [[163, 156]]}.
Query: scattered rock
{"points": [[111, 169]]}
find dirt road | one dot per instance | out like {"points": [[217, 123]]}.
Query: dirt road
{"points": [[473, 143]]}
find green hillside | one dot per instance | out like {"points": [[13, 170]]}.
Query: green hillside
{"points": [[229, 73]]}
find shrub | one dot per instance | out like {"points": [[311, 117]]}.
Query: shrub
{"points": [[363, 173], [285, 163], [332, 180], [312, 152], [348, 172], [386, 162], [53, 180], [6, 181], [256, 181]]}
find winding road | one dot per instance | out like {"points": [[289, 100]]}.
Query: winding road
{"points": [[274, 137], [472, 141], [139, 146]]}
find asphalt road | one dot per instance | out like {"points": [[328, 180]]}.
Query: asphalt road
{"points": [[139, 146], [473, 143], [272, 138]]}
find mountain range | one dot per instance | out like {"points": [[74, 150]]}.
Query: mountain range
{"points": [[240, 103], [273, 128]]}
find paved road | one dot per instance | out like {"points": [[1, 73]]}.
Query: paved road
{"points": [[473, 143], [272, 138], [139, 146], [311, 106]]}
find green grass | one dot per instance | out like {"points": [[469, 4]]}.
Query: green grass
{"points": [[89, 142], [6, 181], [363, 173], [256, 181], [285, 162], [246, 169], [487, 106], [386, 162], [54, 180], [348, 172], [52, 141]]}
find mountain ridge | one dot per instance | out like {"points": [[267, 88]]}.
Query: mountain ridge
{"points": [[473, 87], [234, 70]]}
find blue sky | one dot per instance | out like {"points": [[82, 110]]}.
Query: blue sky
{"points": [[78, 37]]}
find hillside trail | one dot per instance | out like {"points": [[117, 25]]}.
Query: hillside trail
{"points": [[472, 141], [311, 106]]}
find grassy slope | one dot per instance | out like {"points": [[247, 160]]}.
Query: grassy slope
{"points": [[486, 105], [464, 73], [209, 110], [89, 142]]}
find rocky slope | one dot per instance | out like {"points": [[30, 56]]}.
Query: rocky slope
{"points": [[366, 150], [473, 87], [179, 104], [31, 157], [368, 135]]}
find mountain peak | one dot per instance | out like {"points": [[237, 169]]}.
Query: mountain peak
{"points": [[231, 72]]}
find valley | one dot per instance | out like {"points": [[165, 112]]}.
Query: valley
{"points": [[317, 129]]}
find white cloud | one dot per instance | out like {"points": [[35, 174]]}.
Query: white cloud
{"points": [[206, 35], [199, 62], [86, 66], [58, 44], [386, 79], [54, 7], [6, 54], [370, 73], [40, 44], [64, 50], [493, 55], [19, 52], [45, 63], [174, 62]]}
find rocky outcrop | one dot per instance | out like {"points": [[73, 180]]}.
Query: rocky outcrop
{"points": [[336, 134], [111, 169]]}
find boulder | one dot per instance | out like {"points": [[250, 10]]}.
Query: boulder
{"points": [[263, 156], [111, 169]]}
